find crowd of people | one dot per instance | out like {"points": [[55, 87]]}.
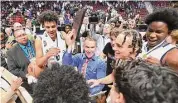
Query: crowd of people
{"points": [[88, 52]]}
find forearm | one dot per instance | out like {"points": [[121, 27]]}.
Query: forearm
{"points": [[42, 61], [67, 58], [106, 80], [6, 96]]}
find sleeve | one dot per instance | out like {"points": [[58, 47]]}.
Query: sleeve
{"points": [[12, 66], [68, 59], [101, 73], [105, 50]]}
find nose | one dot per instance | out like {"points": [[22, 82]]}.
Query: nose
{"points": [[50, 29], [152, 34], [114, 47]]}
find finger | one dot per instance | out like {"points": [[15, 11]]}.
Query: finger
{"points": [[93, 85], [110, 86]]}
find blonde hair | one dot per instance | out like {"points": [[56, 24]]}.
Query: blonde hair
{"points": [[174, 34], [115, 32]]}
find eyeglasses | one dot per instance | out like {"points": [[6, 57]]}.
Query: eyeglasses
{"points": [[21, 36]]}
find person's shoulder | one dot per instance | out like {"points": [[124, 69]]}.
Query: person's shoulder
{"points": [[99, 59], [13, 49], [173, 53], [171, 58]]}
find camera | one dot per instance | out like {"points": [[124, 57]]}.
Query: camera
{"points": [[93, 19]]}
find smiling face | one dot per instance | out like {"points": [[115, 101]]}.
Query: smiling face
{"points": [[123, 51], [107, 29], [156, 33], [89, 47], [51, 29]]}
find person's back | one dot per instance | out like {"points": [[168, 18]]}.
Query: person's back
{"points": [[142, 82], [61, 84]]}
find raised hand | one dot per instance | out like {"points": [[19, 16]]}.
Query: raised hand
{"points": [[52, 52], [70, 37]]}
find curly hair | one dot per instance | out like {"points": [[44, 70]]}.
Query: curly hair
{"points": [[141, 82], [49, 16], [136, 41], [61, 84], [166, 15]]}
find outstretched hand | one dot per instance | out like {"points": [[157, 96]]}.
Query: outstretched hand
{"points": [[93, 82]]}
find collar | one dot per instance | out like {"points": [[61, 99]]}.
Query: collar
{"points": [[93, 58], [24, 46]]}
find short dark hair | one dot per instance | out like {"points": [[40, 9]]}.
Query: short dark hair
{"points": [[141, 82], [49, 16], [166, 15], [61, 84]]}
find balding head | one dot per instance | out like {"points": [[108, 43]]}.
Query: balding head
{"points": [[17, 26], [8, 31]]}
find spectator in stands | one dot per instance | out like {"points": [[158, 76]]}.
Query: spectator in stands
{"points": [[61, 84], [17, 26], [127, 46], [19, 56], [51, 46], [3, 40], [102, 39], [113, 24], [141, 82], [68, 28], [88, 64], [156, 50]]}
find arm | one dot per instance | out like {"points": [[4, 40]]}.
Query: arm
{"points": [[41, 59], [101, 73], [105, 51], [68, 59], [171, 59], [106, 80], [6, 96], [12, 66]]}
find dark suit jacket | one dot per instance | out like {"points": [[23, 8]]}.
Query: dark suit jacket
{"points": [[17, 63]]}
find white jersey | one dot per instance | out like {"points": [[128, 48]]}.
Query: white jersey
{"points": [[48, 43], [158, 51]]}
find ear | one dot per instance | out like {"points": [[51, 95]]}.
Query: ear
{"points": [[120, 98], [169, 32]]}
